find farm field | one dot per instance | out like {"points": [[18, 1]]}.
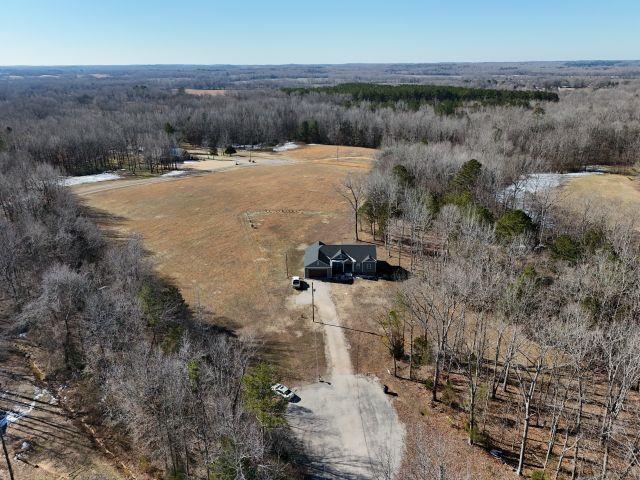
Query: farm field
{"points": [[204, 91], [612, 196], [223, 238]]}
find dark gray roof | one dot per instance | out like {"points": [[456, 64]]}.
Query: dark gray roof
{"points": [[319, 254]]}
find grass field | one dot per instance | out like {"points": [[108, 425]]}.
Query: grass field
{"points": [[612, 196], [223, 238], [203, 91]]}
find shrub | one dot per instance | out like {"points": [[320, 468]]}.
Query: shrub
{"points": [[476, 436], [258, 397], [449, 395], [513, 223], [229, 150], [460, 199], [467, 176], [539, 475], [482, 213], [433, 203], [422, 353], [565, 248], [403, 176]]}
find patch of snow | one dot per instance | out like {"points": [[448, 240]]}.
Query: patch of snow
{"points": [[174, 173], [98, 177], [20, 411], [521, 194], [539, 182], [285, 147], [190, 162]]}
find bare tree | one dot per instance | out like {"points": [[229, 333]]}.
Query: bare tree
{"points": [[353, 190]]}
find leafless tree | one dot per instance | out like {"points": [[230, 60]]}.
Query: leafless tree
{"points": [[353, 189]]}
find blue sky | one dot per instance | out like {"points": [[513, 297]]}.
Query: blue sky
{"points": [[71, 32]]}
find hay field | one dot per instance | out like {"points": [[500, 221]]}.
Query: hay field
{"points": [[204, 91], [222, 238], [611, 196]]}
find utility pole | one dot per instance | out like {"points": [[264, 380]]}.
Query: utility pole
{"points": [[313, 305], [315, 341], [286, 264], [4, 421], [315, 334], [337, 147]]}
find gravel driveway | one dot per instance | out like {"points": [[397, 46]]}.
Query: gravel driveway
{"points": [[347, 423]]}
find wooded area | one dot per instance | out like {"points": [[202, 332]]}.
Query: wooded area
{"points": [[184, 396], [136, 127], [524, 320], [444, 99]]}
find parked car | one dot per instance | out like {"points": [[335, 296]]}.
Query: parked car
{"points": [[296, 283], [344, 278], [282, 390]]}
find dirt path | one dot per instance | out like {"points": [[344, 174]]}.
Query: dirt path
{"points": [[348, 425], [191, 169]]}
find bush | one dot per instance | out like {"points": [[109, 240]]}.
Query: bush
{"points": [[422, 353], [229, 150], [482, 213], [476, 436], [259, 399], [449, 395], [467, 176], [433, 203], [513, 223], [565, 248], [403, 176], [539, 475], [460, 199]]}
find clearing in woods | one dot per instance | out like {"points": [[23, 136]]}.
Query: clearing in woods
{"points": [[223, 237], [204, 91], [612, 196], [227, 240]]}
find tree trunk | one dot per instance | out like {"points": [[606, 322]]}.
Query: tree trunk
{"points": [[6, 457], [436, 376], [525, 435], [576, 452]]}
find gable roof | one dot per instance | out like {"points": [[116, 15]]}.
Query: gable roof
{"points": [[319, 254]]}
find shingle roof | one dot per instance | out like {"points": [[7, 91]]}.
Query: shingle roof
{"points": [[319, 254]]}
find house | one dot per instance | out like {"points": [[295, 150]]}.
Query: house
{"points": [[327, 261]]}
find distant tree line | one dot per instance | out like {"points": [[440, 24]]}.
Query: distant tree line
{"points": [[87, 130], [444, 98]]}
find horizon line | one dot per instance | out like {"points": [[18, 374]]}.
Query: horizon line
{"points": [[447, 62]]}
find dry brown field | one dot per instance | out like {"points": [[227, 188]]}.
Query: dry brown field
{"points": [[198, 91], [612, 196], [223, 239]]}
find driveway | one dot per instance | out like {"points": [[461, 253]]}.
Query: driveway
{"points": [[349, 427]]}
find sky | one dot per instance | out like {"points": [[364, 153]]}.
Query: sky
{"points": [[123, 32]]}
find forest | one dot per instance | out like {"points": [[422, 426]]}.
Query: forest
{"points": [[524, 322], [444, 98], [186, 398], [533, 314], [89, 128]]}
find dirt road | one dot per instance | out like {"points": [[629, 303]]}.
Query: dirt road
{"points": [[346, 422]]}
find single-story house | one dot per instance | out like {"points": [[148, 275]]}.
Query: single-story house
{"points": [[327, 261]]}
